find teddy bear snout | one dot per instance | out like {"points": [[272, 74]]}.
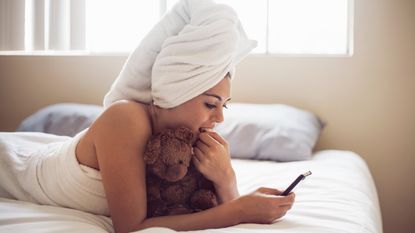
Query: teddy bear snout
{"points": [[176, 172]]}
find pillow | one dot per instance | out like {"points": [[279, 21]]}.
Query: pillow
{"points": [[270, 131], [66, 119], [254, 131]]}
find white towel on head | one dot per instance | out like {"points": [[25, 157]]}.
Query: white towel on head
{"points": [[188, 52]]}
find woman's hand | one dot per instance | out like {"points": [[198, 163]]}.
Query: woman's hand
{"points": [[262, 206], [265, 205], [213, 160]]}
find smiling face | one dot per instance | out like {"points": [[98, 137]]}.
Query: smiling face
{"points": [[201, 112]]}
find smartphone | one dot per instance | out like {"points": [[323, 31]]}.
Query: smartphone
{"points": [[295, 182]]}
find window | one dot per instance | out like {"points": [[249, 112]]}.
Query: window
{"points": [[301, 27], [309, 27], [119, 25]]}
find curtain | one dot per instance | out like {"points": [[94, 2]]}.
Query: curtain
{"points": [[49, 25]]}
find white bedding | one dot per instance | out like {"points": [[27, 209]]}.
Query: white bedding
{"points": [[339, 196]]}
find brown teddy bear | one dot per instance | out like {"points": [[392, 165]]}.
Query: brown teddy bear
{"points": [[174, 186]]}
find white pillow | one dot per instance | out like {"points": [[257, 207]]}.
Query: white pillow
{"points": [[270, 131]]}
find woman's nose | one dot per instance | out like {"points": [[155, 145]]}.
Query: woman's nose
{"points": [[219, 115]]}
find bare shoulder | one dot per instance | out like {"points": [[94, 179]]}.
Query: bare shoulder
{"points": [[123, 123], [123, 119]]}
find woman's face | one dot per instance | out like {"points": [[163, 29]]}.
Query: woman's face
{"points": [[203, 111]]}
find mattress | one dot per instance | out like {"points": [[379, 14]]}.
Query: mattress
{"points": [[340, 196]]}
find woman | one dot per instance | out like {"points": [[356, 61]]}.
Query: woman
{"points": [[180, 75], [117, 139]]}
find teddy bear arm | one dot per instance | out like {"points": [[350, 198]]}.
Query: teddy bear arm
{"points": [[203, 199]]}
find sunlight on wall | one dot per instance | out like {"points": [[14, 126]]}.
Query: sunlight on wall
{"points": [[112, 26], [279, 26]]}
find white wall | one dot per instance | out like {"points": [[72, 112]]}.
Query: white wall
{"points": [[367, 99]]}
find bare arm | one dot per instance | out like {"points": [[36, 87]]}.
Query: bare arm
{"points": [[220, 216], [228, 190], [120, 135], [262, 206]]}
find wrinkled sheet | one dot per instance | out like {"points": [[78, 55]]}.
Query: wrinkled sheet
{"points": [[339, 196]]}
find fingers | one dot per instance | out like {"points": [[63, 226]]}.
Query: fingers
{"points": [[266, 207], [212, 139], [286, 200], [281, 210], [269, 191], [277, 192], [207, 141], [217, 137], [198, 155], [202, 146], [277, 199], [196, 161], [291, 196]]}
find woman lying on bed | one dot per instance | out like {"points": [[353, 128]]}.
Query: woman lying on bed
{"points": [[115, 139], [180, 75]]}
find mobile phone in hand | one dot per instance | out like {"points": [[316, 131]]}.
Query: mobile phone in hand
{"points": [[295, 182]]}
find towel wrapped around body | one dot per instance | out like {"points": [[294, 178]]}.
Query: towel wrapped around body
{"points": [[187, 52], [43, 169]]}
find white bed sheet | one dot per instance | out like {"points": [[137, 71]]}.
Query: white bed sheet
{"points": [[340, 196]]}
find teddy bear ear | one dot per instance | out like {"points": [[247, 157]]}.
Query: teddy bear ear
{"points": [[184, 134], [168, 133], [153, 149]]}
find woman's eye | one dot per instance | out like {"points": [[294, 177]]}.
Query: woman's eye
{"points": [[210, 106]]}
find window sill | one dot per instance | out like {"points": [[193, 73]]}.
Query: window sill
{"points": [[124, 54], [61, 53]]}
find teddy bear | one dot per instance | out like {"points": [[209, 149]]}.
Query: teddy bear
{"points": [[174, 185]]}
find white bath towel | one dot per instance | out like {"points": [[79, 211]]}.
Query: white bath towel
{"points": [[188, 52], [42, 168]]}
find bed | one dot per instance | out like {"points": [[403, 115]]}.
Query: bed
{"points": [[340, 195]]}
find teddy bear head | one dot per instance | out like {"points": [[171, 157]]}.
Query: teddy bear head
{"points": [[169, 153]]}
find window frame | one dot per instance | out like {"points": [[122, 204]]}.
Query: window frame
{"points": [[75, 44]]}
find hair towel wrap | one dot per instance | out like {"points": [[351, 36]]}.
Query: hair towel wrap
{"points": [[187, 52]]}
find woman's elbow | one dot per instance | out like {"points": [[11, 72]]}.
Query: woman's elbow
{"points": [[121, 227]]}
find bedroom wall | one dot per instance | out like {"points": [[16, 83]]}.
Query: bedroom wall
{"points": [[367, 99]]}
